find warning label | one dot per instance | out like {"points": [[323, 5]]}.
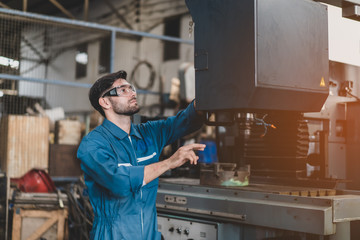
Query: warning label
{"points": [[322, 82]]}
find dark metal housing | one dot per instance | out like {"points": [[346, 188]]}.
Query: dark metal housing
{"points": [[260, 54]]}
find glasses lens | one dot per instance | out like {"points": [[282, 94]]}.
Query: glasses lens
{"points": [[125, 90]]}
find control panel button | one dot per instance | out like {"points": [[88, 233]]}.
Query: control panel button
{"points": [[179, 230]]}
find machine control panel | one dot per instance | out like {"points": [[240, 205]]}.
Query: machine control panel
{"points": [[175, 199], [183, 229]]}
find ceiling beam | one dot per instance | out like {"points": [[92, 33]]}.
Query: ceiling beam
{"points": [[25, 4], [62, 9], [115, 11], [3, 5], [86, 9]]}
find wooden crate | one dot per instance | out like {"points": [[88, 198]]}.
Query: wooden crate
{"points": [[63, 161], [31, 224], [24, 144], [68, 132]]}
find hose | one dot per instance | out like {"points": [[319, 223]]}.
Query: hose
{"points": [[151, 78]]}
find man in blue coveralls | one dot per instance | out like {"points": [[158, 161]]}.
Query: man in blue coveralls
{"points": [[121, 164]]}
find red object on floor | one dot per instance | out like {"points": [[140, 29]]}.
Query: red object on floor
{"points": [[36, 180]]}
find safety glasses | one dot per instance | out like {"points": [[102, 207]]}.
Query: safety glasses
{"points": [[123, 90]]}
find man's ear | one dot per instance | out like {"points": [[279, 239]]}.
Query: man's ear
{"points": [[104, 103]]}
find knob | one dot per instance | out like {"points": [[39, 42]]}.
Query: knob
{"points": [[171, 229], [186, 231], [179, 230]]}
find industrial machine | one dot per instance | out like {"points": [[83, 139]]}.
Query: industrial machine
{"points": [[260, 65]]}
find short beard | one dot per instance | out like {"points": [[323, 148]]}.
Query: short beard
{"points": [[127, 111]]}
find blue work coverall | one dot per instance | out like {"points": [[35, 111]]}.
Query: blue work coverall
{"points": [[113, 164]]}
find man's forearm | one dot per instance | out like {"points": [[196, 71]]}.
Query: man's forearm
{"points": [[154, 170]]}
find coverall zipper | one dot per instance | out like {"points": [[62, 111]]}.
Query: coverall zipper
{"points": [[141, 212]]}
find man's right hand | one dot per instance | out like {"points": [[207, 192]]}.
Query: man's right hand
{"points": [[181, 156], [184, 154]]}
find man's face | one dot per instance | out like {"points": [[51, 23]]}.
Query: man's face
{"points": [[124, 104]]}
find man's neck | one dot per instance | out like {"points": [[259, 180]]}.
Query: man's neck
{"points": [[122, 121]]}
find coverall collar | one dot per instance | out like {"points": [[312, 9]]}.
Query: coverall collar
{"points": [[118, 132], [134, 132]]}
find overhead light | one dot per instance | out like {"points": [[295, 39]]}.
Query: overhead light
{"points": [[82, 58], [9, 62]]}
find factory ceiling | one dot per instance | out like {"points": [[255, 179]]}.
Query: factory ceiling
{"points": [[47, 7], [128, 14], [140, 15]]}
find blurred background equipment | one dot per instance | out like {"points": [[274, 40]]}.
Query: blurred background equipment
{"points": [[277, 81], [261, 69], [37, 208], [264, 83], [48, 61], [35, 181], [80, 211]]}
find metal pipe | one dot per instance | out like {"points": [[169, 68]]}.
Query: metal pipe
{"points": [[61, 83], [94, 26], [62, 9], [324, 154], [54, 82], [112, 50]]}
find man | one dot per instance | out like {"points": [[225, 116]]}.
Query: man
{"points": [[121, 164]]}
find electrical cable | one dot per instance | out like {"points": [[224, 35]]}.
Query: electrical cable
{"points": [[80, 212], [263, 123], [150, 81], [151, 77], [348, 91]]}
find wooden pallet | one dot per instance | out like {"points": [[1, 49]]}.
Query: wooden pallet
{"points": [[50, 222]]}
